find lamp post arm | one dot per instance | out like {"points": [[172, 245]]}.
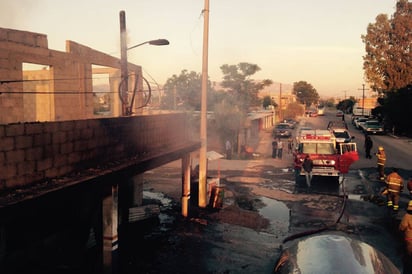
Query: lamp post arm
{"points": [[138, 45], [158, 42]]}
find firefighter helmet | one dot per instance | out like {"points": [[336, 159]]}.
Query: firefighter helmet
{"points": [[409, 205], [380, 148]]}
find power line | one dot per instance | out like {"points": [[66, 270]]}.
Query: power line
{"points": [[55, 79]]}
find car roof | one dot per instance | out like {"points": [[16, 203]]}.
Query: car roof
{"points": [[339, 129]]}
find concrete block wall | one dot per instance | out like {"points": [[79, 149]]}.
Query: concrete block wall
{"points": [[69, 72], [34, 152]]}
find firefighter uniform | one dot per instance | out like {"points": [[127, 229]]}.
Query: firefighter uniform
{"points": [[405, 226], [409, 185], [381, 155], [394, 186]]}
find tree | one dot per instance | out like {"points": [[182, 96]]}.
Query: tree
{"points": [[388, 60], [346, 105], [268, 101], [396, 108], [240, 95], [292, 110], [305, 93], [184, 92], [238, 83], [228, 120]]}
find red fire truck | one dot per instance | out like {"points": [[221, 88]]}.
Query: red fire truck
{"points": [[328, 159]]}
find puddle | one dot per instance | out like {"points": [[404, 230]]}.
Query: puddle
{"points": [[356, 197], [166, 203], [278, 214]]}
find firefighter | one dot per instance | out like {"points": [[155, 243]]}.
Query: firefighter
{"points": [[405, 226], [409, 186], [394, 185], [381, 155]]}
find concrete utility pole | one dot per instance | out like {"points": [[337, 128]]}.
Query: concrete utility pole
{"points": [[123, 64], [203, 112]]}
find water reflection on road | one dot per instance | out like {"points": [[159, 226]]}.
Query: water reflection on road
{"points": [[278, 214]]}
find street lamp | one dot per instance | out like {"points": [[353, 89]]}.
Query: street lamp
{"points": [[157, 42], [126, 110]]}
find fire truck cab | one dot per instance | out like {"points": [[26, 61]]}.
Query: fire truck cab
{"points": [[328, 159]]}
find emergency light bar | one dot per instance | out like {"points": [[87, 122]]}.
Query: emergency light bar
{"points": [[316, 137]]}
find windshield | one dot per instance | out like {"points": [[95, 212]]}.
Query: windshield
{"points": [[283, 126], [373, 123], [317, 148], [343, 135]]}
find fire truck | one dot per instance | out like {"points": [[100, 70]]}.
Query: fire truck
{"points": [[329, 158]]}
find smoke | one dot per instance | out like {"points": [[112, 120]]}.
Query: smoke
{"points": [[16, 13]]}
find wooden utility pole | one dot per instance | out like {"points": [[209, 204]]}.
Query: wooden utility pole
{"points": [[363, 99], [203, 112], [280, 103]]}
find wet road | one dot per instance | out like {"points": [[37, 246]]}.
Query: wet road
{"points": [[264, 209]]}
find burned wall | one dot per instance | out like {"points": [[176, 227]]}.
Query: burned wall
{"points": [[35, 152], [66, 93]]}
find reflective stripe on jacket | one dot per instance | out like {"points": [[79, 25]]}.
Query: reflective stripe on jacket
{"points": [[394, 182], [381, 157]]}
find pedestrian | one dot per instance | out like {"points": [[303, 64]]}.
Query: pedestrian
{"points": [[368, 146], [381, 155], [307, 166], [394, 184], [274, 148], [405, 226], [290, 145], [409, 186], [280, 149], [228, 147]]}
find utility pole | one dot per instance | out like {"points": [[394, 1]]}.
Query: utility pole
{"points": [[123, 65], [280, 103], [203, 112], [363, 99]]}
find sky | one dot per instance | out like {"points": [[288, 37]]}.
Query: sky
{"points": [[317, 41]]}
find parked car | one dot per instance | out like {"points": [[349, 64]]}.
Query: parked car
{"points": [[311, 113], [372, 127], [342, 135], [321, 110], [359, 121], [291, 122], [337, 124], [282, 130]]}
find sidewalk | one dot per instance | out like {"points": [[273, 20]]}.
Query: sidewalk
{"points": [[262, 145]]}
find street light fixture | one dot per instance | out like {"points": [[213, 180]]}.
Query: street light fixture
{"points": [[157, 42], [126, 109]]}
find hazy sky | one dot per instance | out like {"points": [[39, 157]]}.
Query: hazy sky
{"points": [[318, 41]]}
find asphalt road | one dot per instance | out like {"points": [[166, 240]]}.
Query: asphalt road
{"points": [[263, 207]]}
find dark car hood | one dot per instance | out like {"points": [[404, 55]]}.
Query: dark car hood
{"points": [[330, 253]]}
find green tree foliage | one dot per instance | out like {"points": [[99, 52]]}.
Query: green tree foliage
{"points": [[268, 101], [229, 119], [330, 102], [346, 105], [293, 110], [397, 111], [238, 83], [388, 60], [184, 92], [305, 93]]}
